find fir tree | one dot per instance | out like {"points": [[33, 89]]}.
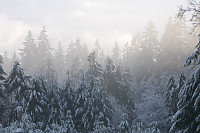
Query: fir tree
{"points": [[37, 101], [59, 62], [44, 49], [97, 103], [17, 87], [2, 78], [54, 108], [28, 53]]}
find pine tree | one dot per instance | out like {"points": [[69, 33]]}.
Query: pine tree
{"points": [[110, 78], [6, 62], [176, 44], [186, 119], [67, 98], [59, 62], [37, 101], [54, 108], [14, 58], [149, 53], [28, 55], [97, 103], [99, 52], [170, 95], [2, 78], [50, 75], [69, 124], [124, 126], [76, 51], [44, 49], [2, 90], [116, 54], [17, 86], [80, 101]]}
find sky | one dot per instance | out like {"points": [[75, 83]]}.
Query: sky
{"points": [[109, 21]]}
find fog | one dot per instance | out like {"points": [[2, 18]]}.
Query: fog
{"points": [[99, 66], [66, 20]]}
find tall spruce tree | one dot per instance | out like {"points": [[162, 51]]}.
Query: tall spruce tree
{"points": [[97, 103], [59, 62], [44, 49], [28, 53], [17, 86], [37, 101], [2, 78], [149, 53]]}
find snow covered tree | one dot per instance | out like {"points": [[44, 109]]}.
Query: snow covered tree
{"points": [[125, 94], [69, 124], [37, 101], [6, 62], [99, 125], [59, 62], [186, 119], [2, 90], [124, 127], [80, 101], [28, 55], [99, 52], [16, 83], [97, 102], [50, 76], [43, 50], [149, 52], [171, 95], [176, 44], [116, 54], [110, 77], [2, 78], [17, 86], [54, 108], [76, 51], [14, 58], [66, 98]]}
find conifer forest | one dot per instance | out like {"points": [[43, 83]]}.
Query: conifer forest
{"points": [[150, 85]]}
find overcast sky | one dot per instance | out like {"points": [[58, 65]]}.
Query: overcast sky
{"points": [[65, 20]]}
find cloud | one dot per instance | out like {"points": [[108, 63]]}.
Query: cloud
{"points": [[11, 33], [77, 13]]}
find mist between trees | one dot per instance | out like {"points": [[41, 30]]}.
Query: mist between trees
{"points": [[141, 89]]}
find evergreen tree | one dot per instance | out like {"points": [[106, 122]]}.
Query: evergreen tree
{"points": [[149, 53], [28, 53], [67, 98], [6, 62], [14, 58], [186, 119], [124, 126], [17, 87], [80, 101], [59, 62], [37, 101], [2, 92], [171, 95], [116, 54], [97, 102], [76, 51], [69, 123], [2, 78], [43, 49], [99, 52], [175, 46], [50, 75], [54, 108]]}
